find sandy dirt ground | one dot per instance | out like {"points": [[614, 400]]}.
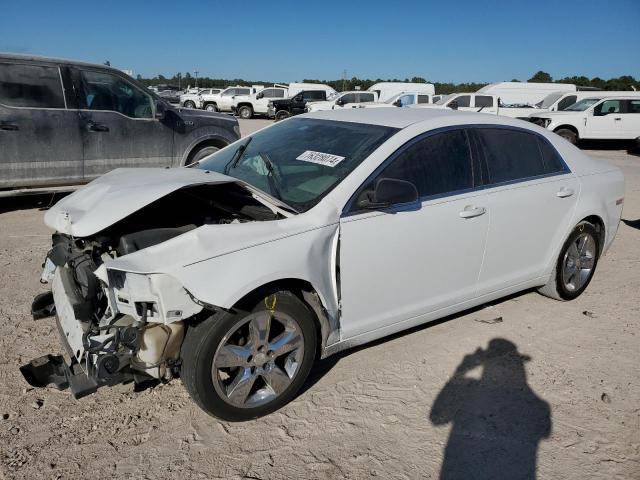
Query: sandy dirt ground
{"points": [[526, 388]]}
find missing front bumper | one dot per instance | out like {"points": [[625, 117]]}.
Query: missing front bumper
{"points": [[52, 370]]}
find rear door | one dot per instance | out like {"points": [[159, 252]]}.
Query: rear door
{"points": [[118, 124], [530, 198], [40, 140], [630, 123]]}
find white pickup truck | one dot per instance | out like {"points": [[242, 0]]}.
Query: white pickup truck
{"points": [[223, 101], [194, 99], [343, 100], [404, 99], [596, 118], [478, 102], [246, 106]]}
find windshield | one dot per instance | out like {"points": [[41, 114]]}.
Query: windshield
{"points": [[549, 100], [582, 105], [300, 160], [443, 100]]}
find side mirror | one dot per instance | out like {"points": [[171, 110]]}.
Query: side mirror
{"points": [[340, 102], [398, 103], [388, 192], [260, 95], [453, 105], [298, 98], [161, 109]]}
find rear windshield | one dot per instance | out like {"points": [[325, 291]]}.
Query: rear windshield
{"points": [[301, 159]]}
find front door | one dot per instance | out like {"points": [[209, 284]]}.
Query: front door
{"points": [[630, 123], [406, 261], [119, 126], [40, 140]]}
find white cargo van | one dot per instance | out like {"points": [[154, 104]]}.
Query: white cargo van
{"points": [[386, 90], [525, 93], [296, 88]]}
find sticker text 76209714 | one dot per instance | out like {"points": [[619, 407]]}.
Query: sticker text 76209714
{"points": [[326, 159]]}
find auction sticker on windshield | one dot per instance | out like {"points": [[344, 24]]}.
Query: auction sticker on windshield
{"points": [[326, 159]]}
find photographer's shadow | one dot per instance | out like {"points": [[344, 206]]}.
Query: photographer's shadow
{"points": [[497, 419]]}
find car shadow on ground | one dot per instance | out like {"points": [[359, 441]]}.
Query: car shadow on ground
{"points": [[322, 367], [41, 201], [632, 147], [632, 223]]}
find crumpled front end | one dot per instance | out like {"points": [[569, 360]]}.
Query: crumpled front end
{"points": [[115, 326]]}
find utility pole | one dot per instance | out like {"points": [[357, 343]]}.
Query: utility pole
{"points": [[179, 85], [344, 78], [196, 72]]}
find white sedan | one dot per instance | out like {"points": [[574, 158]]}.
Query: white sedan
{"points": [[315, 234]]}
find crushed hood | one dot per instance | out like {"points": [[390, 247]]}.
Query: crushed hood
{"points": [[120, 193]]}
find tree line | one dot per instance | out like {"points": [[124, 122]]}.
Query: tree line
{"points": [[625, 82]]}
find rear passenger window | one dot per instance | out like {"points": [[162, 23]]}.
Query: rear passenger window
{"points": [[423, 98], [366, 97], [30, 86], [510, 155], [484, 101], [436, 165], [553, 163]]}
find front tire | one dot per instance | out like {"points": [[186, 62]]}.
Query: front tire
{"points": [[576, 264], [201, 152], [248, 363], [281, 115], [245, 112], [568, 135], [189, 104]]}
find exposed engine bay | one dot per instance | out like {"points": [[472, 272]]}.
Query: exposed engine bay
{"points": [[111, 335]]}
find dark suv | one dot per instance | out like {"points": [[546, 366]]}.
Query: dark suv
{"points": [[64, 122], [281, 109]]}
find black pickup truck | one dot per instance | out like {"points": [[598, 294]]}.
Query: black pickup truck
{"points": [[64, 122], [281, 109]]}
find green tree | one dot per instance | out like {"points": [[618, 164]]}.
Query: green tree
{"points": [[541, 77]]}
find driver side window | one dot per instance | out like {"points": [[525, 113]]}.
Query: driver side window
{"points": [[104, 91]]}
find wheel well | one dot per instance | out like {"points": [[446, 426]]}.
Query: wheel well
{"points": [[213, 142], [305, 292], [597, 222], [240, 105], [205, 103], [567, 127]]}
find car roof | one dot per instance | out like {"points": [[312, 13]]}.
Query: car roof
{"points": [[38, 58], [388, 117]]}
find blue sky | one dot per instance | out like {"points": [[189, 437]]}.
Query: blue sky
{"points": [[459, 40]]}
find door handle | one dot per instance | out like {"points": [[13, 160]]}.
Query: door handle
{"points": [[564, 192], [471, 211], [96, 127], [8, 126], [618, 118]]}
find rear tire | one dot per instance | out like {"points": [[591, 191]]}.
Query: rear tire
{"points": [[245, 112], [568, 135], [231, 365], [572, 273], [281, 115], [211, 107]]}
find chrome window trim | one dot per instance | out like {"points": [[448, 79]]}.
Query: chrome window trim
{"points": [[350, 208]]}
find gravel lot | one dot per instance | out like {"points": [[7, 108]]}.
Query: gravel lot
{"points": [[565, 405]]}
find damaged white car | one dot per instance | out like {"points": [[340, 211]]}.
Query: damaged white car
{"points": [[313, 235]]}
